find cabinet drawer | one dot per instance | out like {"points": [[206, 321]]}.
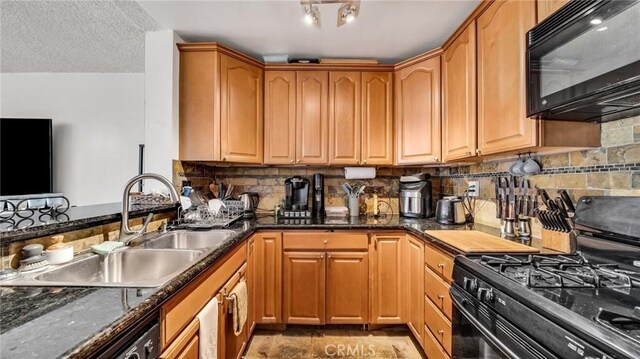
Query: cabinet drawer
{"points": [[304, 240], [439, 262], [180, 310], [346, 240], [325, 240], [438, 325], [186, 344], [432, 347], [438, 291]]}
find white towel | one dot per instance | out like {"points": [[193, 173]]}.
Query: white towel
{"points": [[208, 318]]}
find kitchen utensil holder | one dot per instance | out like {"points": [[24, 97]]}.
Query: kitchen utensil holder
{"points": [[354, 206]]}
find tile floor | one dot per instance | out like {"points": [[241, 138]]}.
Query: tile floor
{"points": [[352, 343]]}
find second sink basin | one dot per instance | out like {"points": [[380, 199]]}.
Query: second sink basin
{"points": [[122, 268], [189, 239]]}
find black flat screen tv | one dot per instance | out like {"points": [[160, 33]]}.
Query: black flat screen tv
{"points": [[26, 160]]}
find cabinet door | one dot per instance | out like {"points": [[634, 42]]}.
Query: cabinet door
{"points": [[548, 7], [186, 345], [251, 284], [344, 118], [502, 121], [347, 287], [304, 287], [377, 118], [312, 123], [386, 266], [199, 115], [459, 96], [414, 299], [280, 117], [418, 113], [240, 111], [267, 274]]}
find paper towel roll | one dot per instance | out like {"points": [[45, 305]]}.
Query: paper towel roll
{"points": [[359, 172]]}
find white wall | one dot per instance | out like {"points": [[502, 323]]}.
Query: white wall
{"points": [[162, 65], [98, 122]]}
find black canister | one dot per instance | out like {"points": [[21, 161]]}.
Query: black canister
{"points": [[318, 195]]}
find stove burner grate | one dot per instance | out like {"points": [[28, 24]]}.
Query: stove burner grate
{"points": [[560, 271]]}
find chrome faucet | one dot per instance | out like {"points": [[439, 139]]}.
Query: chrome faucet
{"points": [[126, 233]]}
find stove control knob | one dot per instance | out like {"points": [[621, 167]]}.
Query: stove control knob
{"points": [[486, 294], [470, 284]]}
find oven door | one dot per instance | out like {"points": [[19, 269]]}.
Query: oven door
{"points": [[479, 332], [584, 61]]}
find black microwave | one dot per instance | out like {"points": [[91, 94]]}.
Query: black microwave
{"points": [[583, 62]]}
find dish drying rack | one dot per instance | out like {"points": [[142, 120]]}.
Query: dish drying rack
{"points": [[202, 217]]}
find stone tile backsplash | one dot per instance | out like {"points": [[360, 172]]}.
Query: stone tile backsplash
{"points": [[613, 169]]}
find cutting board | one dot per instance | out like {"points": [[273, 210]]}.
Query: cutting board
{"points": [[479, 242]]}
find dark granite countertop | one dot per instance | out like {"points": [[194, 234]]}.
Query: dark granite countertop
{"points": [[47, 322], [75, 218]]}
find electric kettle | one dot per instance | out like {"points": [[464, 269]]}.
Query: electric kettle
{"points": [[250, 203], [450, 210]]}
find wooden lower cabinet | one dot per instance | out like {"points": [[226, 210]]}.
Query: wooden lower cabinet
{"points": [[266, 274], [385, 268], [414, 276], [304, 288], [347, 288], [432, 347], [438, 292], [438, 324], [186, 345], [180, 310]]}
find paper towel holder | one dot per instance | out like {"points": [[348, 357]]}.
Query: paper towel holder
{"points": [[359, 172]]}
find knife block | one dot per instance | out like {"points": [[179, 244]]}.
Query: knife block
{"points": [[558, 241]]}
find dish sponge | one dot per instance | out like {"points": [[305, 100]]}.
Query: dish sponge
{"points": [[107, 247]]}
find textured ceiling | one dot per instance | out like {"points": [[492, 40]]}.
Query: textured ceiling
{"points": [[389, 30], [73, 36]]}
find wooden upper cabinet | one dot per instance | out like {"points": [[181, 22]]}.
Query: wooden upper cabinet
{"points": [[280, 117], [312, 125], [347, 288], [304, 287], [377, 119], [240, 111], [344, 118], [417, 98], [502, 121], [199, 115], [386, 272], [459, 96], [548, 7], [221, 105]]}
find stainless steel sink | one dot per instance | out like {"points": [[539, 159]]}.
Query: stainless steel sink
{"points": [[189, 239], [121, 268]]}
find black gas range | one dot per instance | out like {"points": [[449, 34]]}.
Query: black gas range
{"points": [[582, 305]]}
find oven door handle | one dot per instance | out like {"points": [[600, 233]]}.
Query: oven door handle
{"points": [[459, 303]]}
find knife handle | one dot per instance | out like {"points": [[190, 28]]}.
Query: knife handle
{"points": [[567, 201]]}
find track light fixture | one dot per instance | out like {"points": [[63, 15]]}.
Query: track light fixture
{"points": [[347, 12], [311, 15]]}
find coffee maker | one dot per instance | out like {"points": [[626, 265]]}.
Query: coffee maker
{"points": [[415, 196], [318, 195], [296, 190]]}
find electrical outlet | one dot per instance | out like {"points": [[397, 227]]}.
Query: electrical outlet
{"points": [[474, 189]]}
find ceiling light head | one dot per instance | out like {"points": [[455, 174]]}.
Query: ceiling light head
{"points": [[596, 21], [348, 12], [311, 15]]}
